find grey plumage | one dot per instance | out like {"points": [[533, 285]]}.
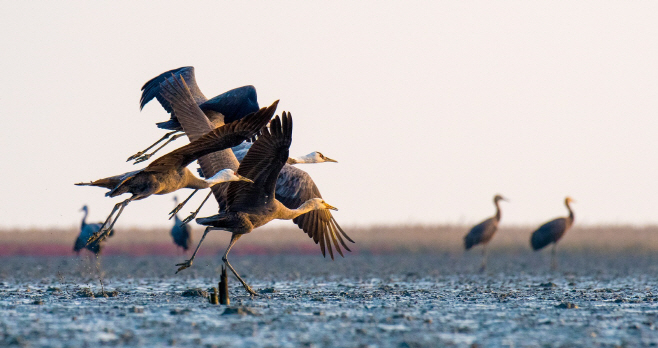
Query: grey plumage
{"points": [[86, 231], [251, 206], [484, 231], [181, 233], [552, 232], [224, 108], [293, 187], [169, 173]]}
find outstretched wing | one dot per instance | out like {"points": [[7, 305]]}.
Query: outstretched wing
{"points": [[262, 164], [223, 137], [181, 101], [294, 187], [152, 89], [233, 104]]}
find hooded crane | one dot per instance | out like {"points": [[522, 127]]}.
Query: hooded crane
{"points": [[169, 172], [483, 232], [293, 187], [251, 206], [552, 231], [224, 108], [240, 151], [181, 232], [86, 231]]}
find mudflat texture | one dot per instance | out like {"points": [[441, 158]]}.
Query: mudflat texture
{"points": [[364, 300]]}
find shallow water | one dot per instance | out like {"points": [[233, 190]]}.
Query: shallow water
{"points": [[362, 300]]}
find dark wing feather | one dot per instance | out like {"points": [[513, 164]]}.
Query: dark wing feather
{"points": [[180, 99], [233, 104], [480, 233], [294, 187], [111, 182], [223, 137], [548, 233], [152, 89], [262, 164]]}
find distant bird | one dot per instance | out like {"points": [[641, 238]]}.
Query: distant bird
{"points": [[224, 108], [251, 206], [552, 231], [169, 173], [294, 186], [483, 232], [86, 231], [181, 232]]}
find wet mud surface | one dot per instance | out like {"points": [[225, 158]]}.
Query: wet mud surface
{"points": [[403, 300]]}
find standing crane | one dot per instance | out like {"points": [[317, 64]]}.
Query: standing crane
{"points": [[180, 232], [552, 231], [483, 232], [224, 108], [251, 206], [86, 231]]}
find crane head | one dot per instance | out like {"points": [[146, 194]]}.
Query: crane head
{"points": [[500, 198], [225, 175]]}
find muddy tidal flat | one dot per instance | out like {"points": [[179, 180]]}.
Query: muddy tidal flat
{"points": [[393, 300]]}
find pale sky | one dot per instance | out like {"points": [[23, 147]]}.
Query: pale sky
{"points": [[431, 108]]}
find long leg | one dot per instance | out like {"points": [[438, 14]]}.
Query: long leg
{"points": [[103, 232], [180, 206], [483, 267], [193, 215], [145, 157], [150, 147], [234, 238], [553, 260], [188, 263]]}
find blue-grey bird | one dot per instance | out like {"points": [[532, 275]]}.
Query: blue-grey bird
{"points": [[181, 232], [224, 108], [86, 231], [483, 232], [552, 231]]}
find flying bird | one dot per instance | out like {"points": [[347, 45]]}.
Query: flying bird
{"points": [[552, 231], [483, 232], [169, 172], [305, 180], [224, 108], [294, 186], [251, 206]]}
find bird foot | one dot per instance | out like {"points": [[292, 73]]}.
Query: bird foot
{"points": [[176, 210], [135, 156], [184, 265], [96, 236], [483, 268], [250, 290], [189, 218], [143, 158]]}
